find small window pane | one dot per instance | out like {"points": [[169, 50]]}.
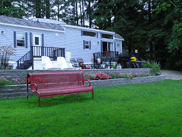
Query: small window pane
{"points": [[36, 40], [20, 42], [87, 33], [107, 36], [20, 39]]}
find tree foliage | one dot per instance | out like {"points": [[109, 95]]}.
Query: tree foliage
{"points": [[144, 24]]}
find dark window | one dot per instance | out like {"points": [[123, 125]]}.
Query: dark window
{"points": [[86, 44], [87, 33], [107, 36], [36, 40], [20, 42], [20, 39]]}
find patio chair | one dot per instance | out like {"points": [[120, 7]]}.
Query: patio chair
{"points": [[61, 63], [46, 62], [74, 62], [79, 60]]}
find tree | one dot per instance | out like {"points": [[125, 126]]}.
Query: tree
{"points": [[12, 8]]}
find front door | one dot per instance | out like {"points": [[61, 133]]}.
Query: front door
{"points": [[37, 45], [106, 46]]}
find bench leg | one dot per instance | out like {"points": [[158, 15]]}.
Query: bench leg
{"points": [[39, 101], [92, 95]]}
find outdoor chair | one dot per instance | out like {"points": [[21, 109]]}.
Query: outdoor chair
{"points": [[61, 63], [74, 62], [79, 60], [46, 62]]}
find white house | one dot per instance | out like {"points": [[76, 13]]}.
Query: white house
{"points": [[45, 37]]}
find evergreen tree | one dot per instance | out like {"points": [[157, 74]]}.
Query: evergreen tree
{"points": [[12, 8]]}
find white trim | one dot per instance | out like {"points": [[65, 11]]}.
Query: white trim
{"points": [[118, 39], [40, 41], [90, 29], [28, 27]]}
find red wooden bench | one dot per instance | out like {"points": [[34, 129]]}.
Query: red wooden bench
{"points": [[58, 84]]}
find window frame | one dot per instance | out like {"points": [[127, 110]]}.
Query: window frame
{"points": [[107, 37], [39, 36], [23, 39], [87, 44], [89, 32]]}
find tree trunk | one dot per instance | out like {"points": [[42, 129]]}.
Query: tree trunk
{"points": [[58, 9], [47, 9], [38, 9], [89, 13], [76, 12], [81, 11]]}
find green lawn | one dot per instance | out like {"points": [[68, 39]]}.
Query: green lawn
{"points": [[143, 110]]}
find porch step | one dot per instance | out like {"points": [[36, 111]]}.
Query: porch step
{"points": [[25, 65], [37, 59]]}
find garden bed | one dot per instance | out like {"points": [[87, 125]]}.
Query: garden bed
{"points": [[14, 91]]}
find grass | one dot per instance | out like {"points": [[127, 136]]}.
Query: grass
{"points": [[142, 110]]}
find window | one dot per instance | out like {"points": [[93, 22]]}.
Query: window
{"points": [[36, 40], [107, 36], [86, 44], [87, 33], [20, 39]]}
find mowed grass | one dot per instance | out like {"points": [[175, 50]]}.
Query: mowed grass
{"points": [[146, 110]]}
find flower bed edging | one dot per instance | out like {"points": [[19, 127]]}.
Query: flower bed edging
{"points": [[14, 91]]}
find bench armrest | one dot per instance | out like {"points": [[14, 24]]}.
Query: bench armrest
{"points": [[36, 86], [89, 82]]}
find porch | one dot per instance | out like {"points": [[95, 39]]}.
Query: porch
{"points": [[36, 52]]}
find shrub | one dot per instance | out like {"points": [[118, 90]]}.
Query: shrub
{"points": [[147, 65], [113, 76], [155, 69], [5, 53], [114, 66], [86, 76], [92, 76]]}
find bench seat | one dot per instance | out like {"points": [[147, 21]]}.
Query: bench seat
{"points": [[52, 91]]}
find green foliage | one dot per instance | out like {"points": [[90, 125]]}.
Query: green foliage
{"points": [[114, 66], [147, 65], [176, 37], [12, 8], [155, 69]]}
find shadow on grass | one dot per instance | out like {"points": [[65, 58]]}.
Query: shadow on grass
{"points": [[59, 100]]}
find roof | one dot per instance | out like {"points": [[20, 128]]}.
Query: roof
{"points": [[90, 29], [117, 36], [30, 23]]}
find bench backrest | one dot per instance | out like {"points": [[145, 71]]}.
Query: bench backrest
{"points": [[56, 80]]}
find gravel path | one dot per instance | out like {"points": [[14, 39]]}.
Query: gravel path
{"points": [[171, 74]]}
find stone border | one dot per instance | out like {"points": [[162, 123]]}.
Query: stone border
{"points": [[10, 74], [14, 91]]}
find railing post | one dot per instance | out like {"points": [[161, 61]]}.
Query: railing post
{"points": [[42, 51], [31, 56], [18, 64]]}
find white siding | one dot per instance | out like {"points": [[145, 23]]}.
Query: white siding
{"points": [[71, 40]]}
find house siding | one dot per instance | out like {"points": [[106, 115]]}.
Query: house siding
{"points": [[51, 39], [71, 40]]}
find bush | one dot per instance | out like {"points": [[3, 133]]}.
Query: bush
{"points": [[5, 53], [155, 69], [147, 65], [114, 67]]}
